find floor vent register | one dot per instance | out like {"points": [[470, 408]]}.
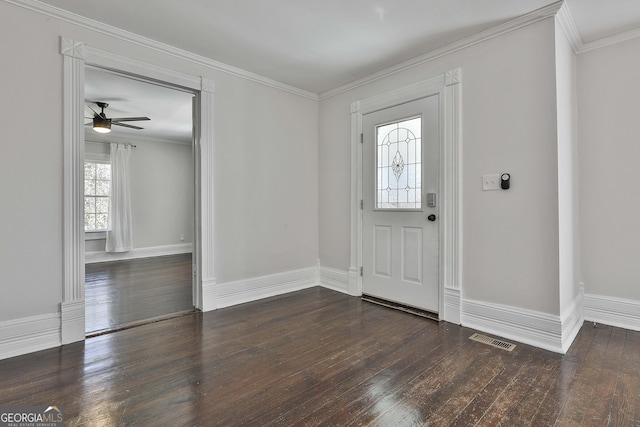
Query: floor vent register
{"points": [[493, 342]]}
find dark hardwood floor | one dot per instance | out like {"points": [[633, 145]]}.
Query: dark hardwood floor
{"points": [[119, 294], [318, 357]]}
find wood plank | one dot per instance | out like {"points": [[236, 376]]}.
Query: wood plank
{"points": [[584, 385], [625, 404], [126, 292], [511, 364], [318, 357]]}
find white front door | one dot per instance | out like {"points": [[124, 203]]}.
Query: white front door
{"points": [[400, 214]]}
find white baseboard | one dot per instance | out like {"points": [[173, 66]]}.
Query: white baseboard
{"points": [[148, 252], [241, 291], [29, 334], [451, 306], [572, 320], [619, 312], [208, 295], [527, 326], [334, 279], [73, 321]]}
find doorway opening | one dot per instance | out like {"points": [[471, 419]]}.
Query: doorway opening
{"points": [[76, 56], [150, 277], [446, 88], [400, 211]]}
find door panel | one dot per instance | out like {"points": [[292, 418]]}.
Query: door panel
{"points": [[412, 254], [382, 250], [400, 245]]}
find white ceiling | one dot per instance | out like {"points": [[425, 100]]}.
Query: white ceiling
{"points": [[169, 109], [321, 45]]}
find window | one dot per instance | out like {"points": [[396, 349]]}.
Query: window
{"points": [[97, 182], [399, 165]]}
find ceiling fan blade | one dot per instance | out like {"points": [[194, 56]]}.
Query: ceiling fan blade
{"points": [[129, 119], [88, 106], [125, 126]]}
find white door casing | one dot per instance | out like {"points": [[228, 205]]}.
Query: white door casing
{"points": [[400, 230], [75, 56], [447, 86]]}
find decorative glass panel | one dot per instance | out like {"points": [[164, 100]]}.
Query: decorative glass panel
{"points": [[399, 165]]}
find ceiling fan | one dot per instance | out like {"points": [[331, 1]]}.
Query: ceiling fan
{"points": [[102, 124]]}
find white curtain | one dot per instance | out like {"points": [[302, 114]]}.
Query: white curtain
{"points": [[120, 233]]}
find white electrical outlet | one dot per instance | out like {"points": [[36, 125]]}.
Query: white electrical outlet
{"points": [[182, 237], [491, 182]]}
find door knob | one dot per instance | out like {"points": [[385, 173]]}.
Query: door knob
{"points": [[431, 217]]}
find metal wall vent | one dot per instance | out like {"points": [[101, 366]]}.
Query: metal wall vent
{"points": [[493, 342]]}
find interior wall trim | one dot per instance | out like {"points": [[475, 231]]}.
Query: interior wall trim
{"points": [[572, 320], [512, 25], [90, 137], [610, 40], [452, 305], [543, 330], [147, 252], [530, 327], [618, 312], [333, 279], [91, 24], [447, 87], [29, 334], [76, 55], [247, 290], [569, 27], [72, 304]]}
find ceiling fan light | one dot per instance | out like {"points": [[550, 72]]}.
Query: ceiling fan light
{"points": [[101, 125]]}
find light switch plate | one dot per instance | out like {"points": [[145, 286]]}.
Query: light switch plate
{"points": [[491, 182]]}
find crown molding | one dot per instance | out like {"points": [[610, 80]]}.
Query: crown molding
{"points": [[91, 136], [164, 48], [569, 27], [512, 25], [558, 9], [611, 40]]}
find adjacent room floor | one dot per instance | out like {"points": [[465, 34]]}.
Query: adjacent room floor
{"points": [[120, 294], [318, 357]]}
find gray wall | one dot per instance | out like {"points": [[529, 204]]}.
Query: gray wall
{"points": [[265, 167], [161, 193], [282, 164], [609, 134], [510, 239]]}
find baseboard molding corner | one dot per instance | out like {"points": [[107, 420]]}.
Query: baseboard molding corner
{"points": [[148, 252], [572, 320], [72, 315], [619, 312], [333, 279], [452, 312], [29, 334], [209, 295], [247, 290], [355, 282], [535, 328]]}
